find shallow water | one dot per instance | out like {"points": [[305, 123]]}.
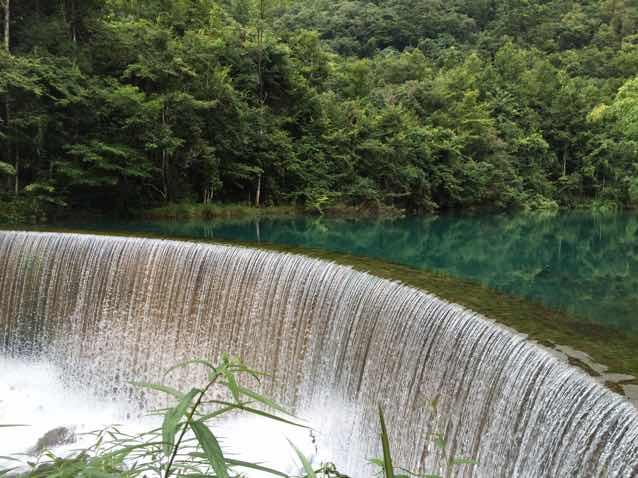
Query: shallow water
{"points": [[584, 264]]}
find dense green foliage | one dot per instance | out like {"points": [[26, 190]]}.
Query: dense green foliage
{"points": [[420, 104]]}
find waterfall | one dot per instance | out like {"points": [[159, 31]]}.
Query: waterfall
{"points": [[108, 310]]}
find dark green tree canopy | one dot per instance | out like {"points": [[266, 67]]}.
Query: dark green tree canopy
{"points": [[422, 105]]}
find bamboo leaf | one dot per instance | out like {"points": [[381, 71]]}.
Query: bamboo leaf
{"points": [[160, 388], [254, 466], [185, 363], [272, 417], [255, 411], [212, 449], [388, 468], [232, 384], [262, 399], [217, 413], [172, 418], [89, 473], [310, 473]]}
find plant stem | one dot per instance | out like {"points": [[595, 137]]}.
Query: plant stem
{"points": [[188, 421]]}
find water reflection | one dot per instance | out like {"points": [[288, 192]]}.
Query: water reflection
{"points": [[584, 264]]}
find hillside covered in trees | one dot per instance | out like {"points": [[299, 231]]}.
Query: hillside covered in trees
{"points": [[422, 105]]}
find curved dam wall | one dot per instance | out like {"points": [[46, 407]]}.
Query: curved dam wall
{"points": [[339, 343]]}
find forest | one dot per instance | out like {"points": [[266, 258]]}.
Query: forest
{"points": [[415, 105]]}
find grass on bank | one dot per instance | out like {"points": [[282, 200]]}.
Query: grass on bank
{"points": [[189, 211], [216, 211], [28, 209]]}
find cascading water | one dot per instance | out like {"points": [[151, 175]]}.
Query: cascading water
{"points": [[108, 310]]}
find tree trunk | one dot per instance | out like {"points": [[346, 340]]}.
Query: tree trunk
{"points": [[208, 193], [261, 92], [17, 176], [7, 101], [260, 52], [164, 162], [7, 25], [7, 121], [258, 193], [164, 179], [74, 35]]}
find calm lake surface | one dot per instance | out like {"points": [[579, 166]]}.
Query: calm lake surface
{"points": [[584, 264]]}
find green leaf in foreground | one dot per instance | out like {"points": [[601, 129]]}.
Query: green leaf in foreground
{"points": [[211, 448], [172, 418], [185, 363], [254, 466], [388, 468], [99, 474], [260, 398], [232, 384], [310, 473], [246, 408], [159, 388]]}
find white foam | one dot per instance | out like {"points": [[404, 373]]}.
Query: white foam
{"points": [[34, 394]]}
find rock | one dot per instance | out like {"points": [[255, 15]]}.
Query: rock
{"points": [[52, 438], [582, 360], [618, 377], [631, 392]]}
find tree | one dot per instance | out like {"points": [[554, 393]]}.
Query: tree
{"points": [[7, 101], [418, 105], [617, 155], [623, 110]]}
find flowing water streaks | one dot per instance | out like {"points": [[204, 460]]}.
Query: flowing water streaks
{"points": [[340, 342]]}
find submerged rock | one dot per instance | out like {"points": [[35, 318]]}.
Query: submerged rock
{"points": [[52, 438]]}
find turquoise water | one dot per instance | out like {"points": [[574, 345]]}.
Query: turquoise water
{"points": [[583, 264]]}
